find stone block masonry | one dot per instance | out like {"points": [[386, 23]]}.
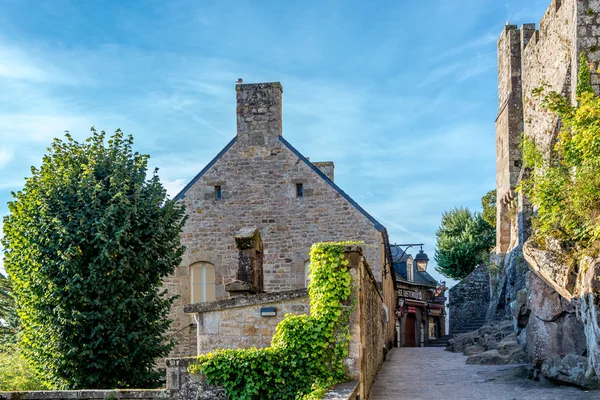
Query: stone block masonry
{"points": [[469, 300], [237, 323], [264, 183]]}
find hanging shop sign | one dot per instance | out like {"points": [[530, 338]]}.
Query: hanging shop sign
{"points": [[434, 312], [412, 310]]}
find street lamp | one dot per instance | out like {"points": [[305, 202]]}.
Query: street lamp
{"points": [[421, 257], [422, 260]]}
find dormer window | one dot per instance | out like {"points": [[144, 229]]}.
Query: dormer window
{"points": [[409, 271], [218, 193], [299, 190]]}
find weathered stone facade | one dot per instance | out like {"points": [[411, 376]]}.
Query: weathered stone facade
{"points": [[237, 323], [260, 181], [468, 300], [551, 315]]}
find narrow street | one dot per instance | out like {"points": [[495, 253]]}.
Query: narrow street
{"points": [[433, 373]]}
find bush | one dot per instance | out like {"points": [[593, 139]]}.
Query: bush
{"points": [[15, 373]]}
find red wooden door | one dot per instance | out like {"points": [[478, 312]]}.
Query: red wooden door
{"points": [[409, 331]]}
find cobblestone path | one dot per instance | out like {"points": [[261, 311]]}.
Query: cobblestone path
{"points": [[431, 373]]}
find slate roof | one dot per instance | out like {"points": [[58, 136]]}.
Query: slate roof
{"points": [[335, 187], [420, 278]]}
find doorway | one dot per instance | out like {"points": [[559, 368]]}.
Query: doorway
{"points": [[410, 331]]}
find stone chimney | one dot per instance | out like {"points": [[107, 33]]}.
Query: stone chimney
{"points": [[258, 113], [326, 167]]}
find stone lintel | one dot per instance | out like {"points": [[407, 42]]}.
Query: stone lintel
{"points": [[241, 288], [236, 302]]}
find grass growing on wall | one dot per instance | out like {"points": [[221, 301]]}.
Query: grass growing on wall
{"points": [[307, 352]]}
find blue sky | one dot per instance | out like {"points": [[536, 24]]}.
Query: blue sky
{"points": [[401, 95]]}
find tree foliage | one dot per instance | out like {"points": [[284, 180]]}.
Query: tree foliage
{"points": [[307, 351], [15, 373], [464, 240], [9, 321], [564, 185], [488, 204], [87, 243]]}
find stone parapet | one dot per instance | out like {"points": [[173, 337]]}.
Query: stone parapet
{"points": [[245, 301]]}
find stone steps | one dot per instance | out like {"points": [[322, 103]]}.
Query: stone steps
{"points": [[473, 325], [439, 342]]}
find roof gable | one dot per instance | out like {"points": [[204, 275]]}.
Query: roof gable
{"points": [[335, 187]]}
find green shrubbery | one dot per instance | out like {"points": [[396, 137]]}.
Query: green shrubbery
{"points": [[15, 373], [565, 182], [307, 352], [87, 243]]}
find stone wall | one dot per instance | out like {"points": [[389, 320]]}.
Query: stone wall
{"points": [[534, 286], [469, 299], [121, 394], [367, 327], [236, 323], [258, 173]]}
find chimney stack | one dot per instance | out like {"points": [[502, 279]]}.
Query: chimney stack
{"points": [[258, 113]]}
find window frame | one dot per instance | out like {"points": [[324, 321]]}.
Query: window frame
{"points": [[201, 267]]}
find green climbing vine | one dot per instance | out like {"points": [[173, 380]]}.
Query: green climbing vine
{"points": [[307, 352], [564, 184]]}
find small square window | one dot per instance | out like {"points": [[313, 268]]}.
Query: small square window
{"points": [[218, 193], [299, 189]]}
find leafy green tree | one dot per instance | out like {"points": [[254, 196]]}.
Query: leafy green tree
{"points": [[488, 204], [87, 243], [464, 240]]}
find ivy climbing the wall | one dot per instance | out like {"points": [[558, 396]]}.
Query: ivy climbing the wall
{"points": [[307, 352]]}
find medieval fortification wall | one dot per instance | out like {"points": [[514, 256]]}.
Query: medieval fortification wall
{"points": [[547, 319]]}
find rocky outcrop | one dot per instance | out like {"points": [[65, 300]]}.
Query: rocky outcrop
{"points": [[490, 345], [571, 369], [563, 333]]}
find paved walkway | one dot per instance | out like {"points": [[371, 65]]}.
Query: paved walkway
{"points": [[430, 373]]}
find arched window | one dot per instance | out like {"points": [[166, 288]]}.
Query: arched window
{"points": [[202, 282], [306, 272]]}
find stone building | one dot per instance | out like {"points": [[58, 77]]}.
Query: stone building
{"points": [[420, 315], [259, 181], [531, 286]]}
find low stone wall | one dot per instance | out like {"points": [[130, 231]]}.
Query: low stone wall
{"points": [[343, 391], [120, 394], [469, 299], [237, 323], [367, 328]]}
